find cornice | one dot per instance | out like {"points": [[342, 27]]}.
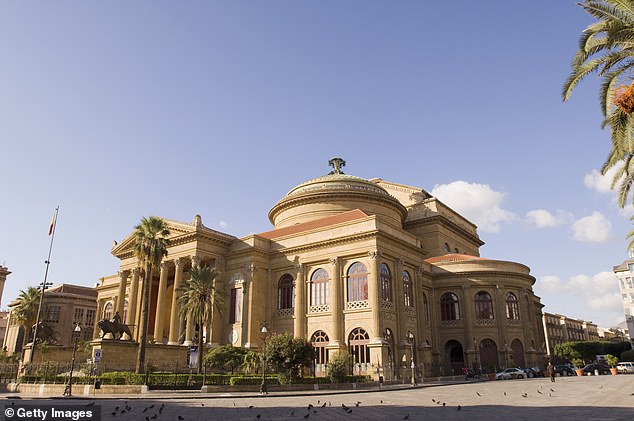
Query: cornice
{"points": [[474, 273], [327, 243], [445, 222], [310, 197]]}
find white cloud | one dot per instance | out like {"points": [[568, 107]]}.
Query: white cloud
{"points": [[595, 228], [540, 218], [598, 182], [223, 224], [476, 202], [597, 293]]}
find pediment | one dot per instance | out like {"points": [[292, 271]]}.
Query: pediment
{"points": [[179, 232]]}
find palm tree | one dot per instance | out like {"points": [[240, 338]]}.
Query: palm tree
{"points": [[150, 247], [197, 300], [606, 47], [25, 312]]}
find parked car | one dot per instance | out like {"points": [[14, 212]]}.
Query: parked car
{"points": [[533, 372], [601, 368], [564, 370], [508, 374], [625, 367]]}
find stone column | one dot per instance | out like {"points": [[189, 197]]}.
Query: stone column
{"points": [[132, 303], [300, 305], [468, 316], [174, 332], [160, 303], [335, 302], [98, 316], [373, 296], [191, 324], [216, 316], [121, 295]]}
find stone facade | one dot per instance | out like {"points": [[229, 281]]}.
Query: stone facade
{"points": [[63, 307], [383, 270], [625, 274], [559, 329]]}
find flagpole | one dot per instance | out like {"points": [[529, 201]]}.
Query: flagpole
{"points": [[44, 285]]}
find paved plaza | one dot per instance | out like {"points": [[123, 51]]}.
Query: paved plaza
{"points": [[588, 398]]}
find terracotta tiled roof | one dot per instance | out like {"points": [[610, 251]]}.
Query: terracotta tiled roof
{"points": [[318, 223], [73, 289], [453, 257]]}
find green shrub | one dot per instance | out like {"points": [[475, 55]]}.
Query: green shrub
{"points": [[339, 367], [252, 380], [627, 355]]}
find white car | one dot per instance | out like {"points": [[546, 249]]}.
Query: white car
{"points": [[508, 374], [625, 367]]}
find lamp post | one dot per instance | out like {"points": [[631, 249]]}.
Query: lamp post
{"points": [[476, 352], [68, 390], [265, 332], [410, 340]]}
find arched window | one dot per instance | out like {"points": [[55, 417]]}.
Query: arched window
{"points": [[483, 305], [408, 290], [358, 341], [449, 308], [512, 307], [425, 307], [285, 292], [319, 287], [320, 341], [107, 311], [357, 282], [386, 283]]}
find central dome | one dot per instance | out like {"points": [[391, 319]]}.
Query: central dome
{"points": [[333, 194]]}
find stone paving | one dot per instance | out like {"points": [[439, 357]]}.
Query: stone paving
{"points": [[591, 398]]}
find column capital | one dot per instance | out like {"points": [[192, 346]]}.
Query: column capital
{"points": [[196, 259], [178, 262], [374, 254], [333, 260], [163, 264], [136, 271], [124, 274]]}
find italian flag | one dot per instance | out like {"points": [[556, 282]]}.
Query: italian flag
{"points": [[50, 229]]}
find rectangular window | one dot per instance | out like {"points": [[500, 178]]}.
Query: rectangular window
{"points": [[235, 306], [630, 284], [52, 314], [78, 317], [631, 297]]}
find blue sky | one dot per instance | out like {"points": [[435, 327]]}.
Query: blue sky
{"points": [[117, 110]]}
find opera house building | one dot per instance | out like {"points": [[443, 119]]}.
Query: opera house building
{"points": [[382, 270]]}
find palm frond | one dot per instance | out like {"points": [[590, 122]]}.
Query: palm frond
{"points": [[604, 11]]}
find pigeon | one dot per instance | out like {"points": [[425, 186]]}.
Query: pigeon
{"points": [[539, 392], [307, 415], [310, 406], [257, 416], [504, 393], [406, 417], [459, 408], [478, 394], [349, 411], [550, 395], [145, 410], [444, 404], [433, 400], [324, 405], [114, 413], [116, 408], [345, 408], [292, 412], [551, 389], [525, 395], [151, 406], [180, 417], [358, 403], [155, 416], [147, 418], [250, 406]]}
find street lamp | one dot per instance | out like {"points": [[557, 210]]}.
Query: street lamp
{"points": [[68, 391], [265, 332], [476, 352], [410, 340]]}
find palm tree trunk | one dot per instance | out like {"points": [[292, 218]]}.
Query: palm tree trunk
{"points": [[145, 312], [200, 346]]}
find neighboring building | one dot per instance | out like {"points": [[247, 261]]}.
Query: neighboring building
{"points": [[64, 306], [4, 272], [367, 266], [613, 334], [625, 274], [559, 329]]}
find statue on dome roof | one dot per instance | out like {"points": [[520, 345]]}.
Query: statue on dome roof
{"points": [[336, 163]]}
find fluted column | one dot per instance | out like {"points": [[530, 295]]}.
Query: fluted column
{"points": [[300, 305], [132, 303], [96, 330], [469, 317], [174, 332], [123, 278], [160, 303], [373, 296]]}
